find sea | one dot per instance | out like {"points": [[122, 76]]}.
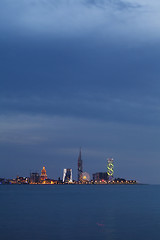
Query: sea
{"points": [[76, 212]]}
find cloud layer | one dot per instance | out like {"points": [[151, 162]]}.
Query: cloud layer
{"points": [[107, 19]]}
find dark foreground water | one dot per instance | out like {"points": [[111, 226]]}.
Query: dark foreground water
{"points": [[79, 212]]}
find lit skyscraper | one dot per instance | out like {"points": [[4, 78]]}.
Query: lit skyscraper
{"points": [[110, 167], [67, 175], [80, 168], [43, 174]]}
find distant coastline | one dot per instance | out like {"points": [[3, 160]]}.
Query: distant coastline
{"points": [[27, 181]]}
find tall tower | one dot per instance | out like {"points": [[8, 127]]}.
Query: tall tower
{"points": [[43, 174], [67, 175], [110, 167], [80, 168]]}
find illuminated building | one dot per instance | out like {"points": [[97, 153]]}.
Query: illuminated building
{"points": [[100, 176], [110, 167], [80, 168], [34, 178], [43, 174], [49, 181], [67, 175], [22, 180]]}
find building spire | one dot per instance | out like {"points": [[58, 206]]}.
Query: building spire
{"points": [[79, 158]]}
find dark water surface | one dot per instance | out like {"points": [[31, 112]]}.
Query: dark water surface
{"points": [[71, 212]]}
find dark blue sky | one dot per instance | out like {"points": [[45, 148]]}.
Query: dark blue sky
{"points": [[80, 73]]}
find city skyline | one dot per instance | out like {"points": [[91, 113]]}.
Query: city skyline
{"points": [[80, 73], [67, 173], [103, 177], [78, 173]]}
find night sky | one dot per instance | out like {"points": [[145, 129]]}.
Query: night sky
{"points": [[80, 73]]}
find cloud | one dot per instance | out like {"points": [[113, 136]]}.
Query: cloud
{"points": [[73, 79], [101, 108], [108, 19]]}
